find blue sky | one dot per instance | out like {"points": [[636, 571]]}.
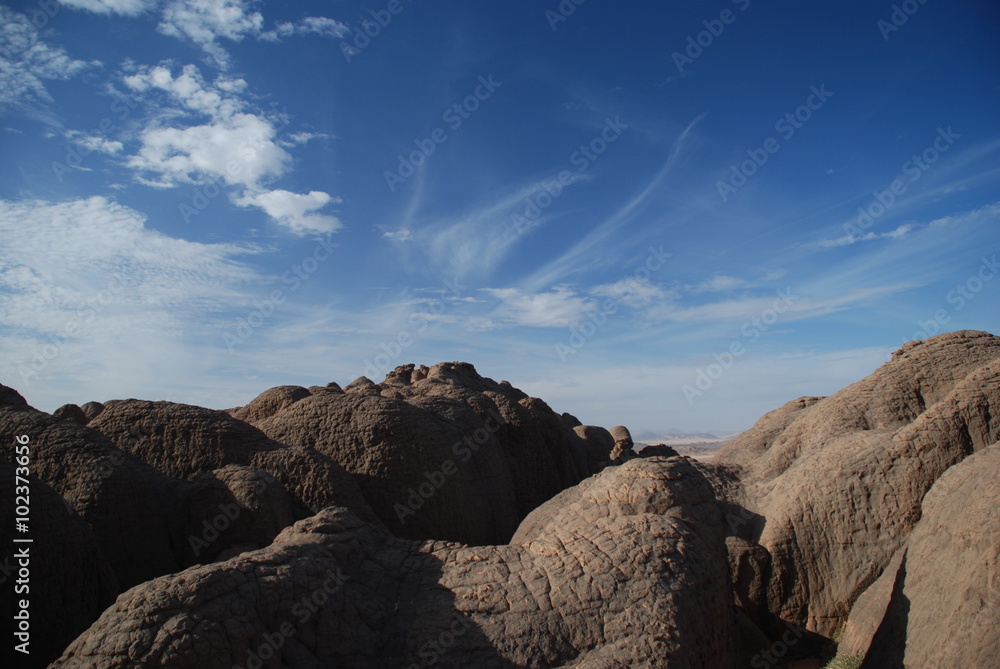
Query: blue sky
{"points": [[673, 216]]}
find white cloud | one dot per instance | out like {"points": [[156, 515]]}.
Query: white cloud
{"points": [[190, 89], [315, 25], [204, 21], [235, 147], [719, 283], [849, 239], [559, 308], [634, 292], [87, 269], [990, 211], [25, 61], [297, 138], [295, 210], [93, 142], [401, 235], [96, 305], [239, 150], [123, 7]]}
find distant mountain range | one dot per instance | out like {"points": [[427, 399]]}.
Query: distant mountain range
{"points": [[677, 435]]}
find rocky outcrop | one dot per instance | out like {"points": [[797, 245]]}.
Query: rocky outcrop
{"points": [[623, 449], [71, 412], [185, 442], [840, 481], [937, 602], [269, 403], [658, 450], [130, 507], [626, 569], [233, 508], [92, 410], [439, 452]]}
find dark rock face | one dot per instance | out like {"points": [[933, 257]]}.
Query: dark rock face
{"points": [[440, 452], [129, 506], [627, 569], [71, 412], [658, 450], [185, 441], [234, 507], [92, 410], [71, 581]]}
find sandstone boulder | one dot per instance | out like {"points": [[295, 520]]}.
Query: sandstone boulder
{"points": [[840, 481], [442, 452], [627, 569], [92, 410], [185, 442], [938, 601], [130, 507], [233, 506], [71, 412]]}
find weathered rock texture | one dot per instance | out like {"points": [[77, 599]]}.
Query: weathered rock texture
{"points": [[70, 581], [438, 452], [130, 507], [185, 441], [938, 602], [832, 487], [627, 569]]}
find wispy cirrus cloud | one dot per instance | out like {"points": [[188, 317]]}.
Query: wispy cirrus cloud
{"points": [[635, 292], [600, 239], [849, 239], [558, 308], [476, 240]]}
